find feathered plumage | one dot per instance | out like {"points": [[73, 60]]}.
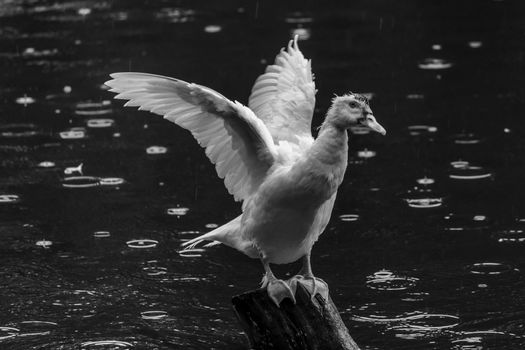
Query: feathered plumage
{"points": [[266, 154]]}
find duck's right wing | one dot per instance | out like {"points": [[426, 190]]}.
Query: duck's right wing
{"points": [[236, 141], [284, 96]]}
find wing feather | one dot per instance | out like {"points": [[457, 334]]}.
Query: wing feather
{"points": [[284, 97], [235, 140]]}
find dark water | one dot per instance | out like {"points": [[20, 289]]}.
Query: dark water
{"points": [[432, 258]]}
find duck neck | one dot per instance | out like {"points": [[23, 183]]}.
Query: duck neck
{"points": [[331, 146]]}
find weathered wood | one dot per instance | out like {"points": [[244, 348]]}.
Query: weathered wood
{"points": [[307, 325]]}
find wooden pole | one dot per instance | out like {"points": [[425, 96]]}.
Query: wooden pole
{"points": [[307, 325]]}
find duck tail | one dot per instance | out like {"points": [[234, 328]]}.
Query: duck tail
{"points": [[220, 235]]}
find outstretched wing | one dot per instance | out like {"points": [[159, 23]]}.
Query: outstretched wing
{"points": [[236, 141], [284, 96]]}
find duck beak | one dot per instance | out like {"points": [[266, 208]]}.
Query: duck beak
{"points": [[371, 122]]}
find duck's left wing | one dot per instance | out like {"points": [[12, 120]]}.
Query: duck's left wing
{"points": [[284, 96], [236, 141]]}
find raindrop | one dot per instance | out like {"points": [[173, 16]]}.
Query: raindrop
{"points": [[46, 164], [111, 181], [366, 154], [25, 100], [73, 134], [76, 169], [153, 315], [84, 11], [475, 44], [425, 181], [303, 33], [80, 181], [349, 217], [212, 28], [101, 234], [100, 123], [44, 243], [434, 64], [142, 243], [67, 89], [177, 211], [459, 164], [156, 150], [9, 198], [436, 47], [415, 96], [506, 130]]}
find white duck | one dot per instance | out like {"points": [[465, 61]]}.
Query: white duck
{"points": [[267, 156]]}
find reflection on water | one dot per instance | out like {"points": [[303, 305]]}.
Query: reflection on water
{"points": [[427, 233]]}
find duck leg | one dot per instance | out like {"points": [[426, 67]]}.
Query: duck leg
{"points": [[277, 289], [305, 277]]}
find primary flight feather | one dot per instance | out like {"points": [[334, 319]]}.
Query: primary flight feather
{"points": [[286, 180]]}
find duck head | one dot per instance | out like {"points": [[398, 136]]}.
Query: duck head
{"points": [[353, 109]]}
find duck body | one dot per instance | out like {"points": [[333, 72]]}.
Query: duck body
{"points": [[286, 215]]}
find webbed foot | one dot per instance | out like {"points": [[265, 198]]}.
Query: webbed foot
{"points": [[312, 284], [278, 290]]}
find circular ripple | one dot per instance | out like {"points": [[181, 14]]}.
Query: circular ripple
{"points": [[469, 172], [349, 217], [455, 222], [156, 150], [142, 243], [393, 283], [111, 181], [427, 202], [19, 130], [8, 332], [466, 139], [153, 315], [489, 268], [191, 253], [101, 234], [108, 344], [81, 181], [9, 198], [33, 328], [511, 236], [434, 64], [416, 130]]}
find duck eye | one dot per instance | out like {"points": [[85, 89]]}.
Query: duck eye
{"points": [[353, 104]]}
